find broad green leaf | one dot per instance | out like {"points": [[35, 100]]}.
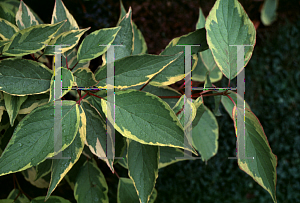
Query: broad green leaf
{"points": [[176, 71], [52, 199], [96, 102], [61, 167], [70, 38], [127, 192], [61, 13], [140, 46], [31, 40], [199, 73], [268, 12], [43, 168], [24, 17], [32, 102], [7, 29], [228, 24], [161, 91], [32, 141], [12, 106], [201, 20], [84, 77], [142, 167], [30, 176], [138, 114], [67, 82], [20, 198], [135, 70], [205, 135], [96, 131], [90, 47], [90, 184], [21, 77], [227, 103], [263, 167], [8, 10]]}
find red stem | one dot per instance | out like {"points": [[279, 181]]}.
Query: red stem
{"points": [[81, 98]]}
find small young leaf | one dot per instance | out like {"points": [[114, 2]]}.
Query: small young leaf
{"points": [[12, 106], [268, 12], [61, 13], [24, 17]]}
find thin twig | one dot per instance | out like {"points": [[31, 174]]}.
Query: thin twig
{"points": [[74, 65], [78, 102], [95, 95], [32, 55], [115, 172]]}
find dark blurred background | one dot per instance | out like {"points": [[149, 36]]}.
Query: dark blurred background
{"points": [[272, 91]]}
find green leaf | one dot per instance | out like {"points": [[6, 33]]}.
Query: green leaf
{"points": [[268, 12], [84, 77], [6, 201], [124, 37], [32, 141], [122, 12], [70, 38], [32, 76], [90, 184], [143, 167], [127, 192], [205, 135], [170, 155], [7, 29], [201, 20], [2, 44], [67, 82], [30, 176], [52, 199], [207, 83], [31, 40], [61, 167], [136, 117], [32, 102], [61, 13], [135, 70], [96, 131], [140, 46], [228, 24], [199, 73], [217, 105], [24, 17], [12, 106], [43, 168], [227, 103], [20, 199], [71, 57], [183, 116], [8, 10], [161, 91], [263, 167], [90, 49], [176, 71]]}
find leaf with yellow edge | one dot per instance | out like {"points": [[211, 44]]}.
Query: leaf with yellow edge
{"points": [[12, 105], [24, 17], [7, 29], [263, 167], [33, 138], [60, 167], [135, 70]]}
